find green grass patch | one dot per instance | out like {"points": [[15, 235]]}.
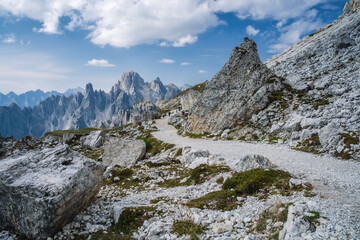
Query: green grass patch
{"points": [[60, 133], [349, 138], [193, 135], [195, 176], [188, 228], [273, 139], [155, 146], [310, 145], [255, 180], [199, 88], [94, 154], [313, 219], [132, 218], [126, 179], [162, 164], [220, 200], [159, 199], [203, 172], [277, 213], [252, 182]]}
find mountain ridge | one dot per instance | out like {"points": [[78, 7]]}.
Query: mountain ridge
{"points": [[32, 98], [79, 111]]}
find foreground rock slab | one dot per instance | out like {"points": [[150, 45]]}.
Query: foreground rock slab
{"points": [[43, 190], [123, 152]]}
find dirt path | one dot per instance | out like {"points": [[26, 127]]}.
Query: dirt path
{"points": [[336, 182]]}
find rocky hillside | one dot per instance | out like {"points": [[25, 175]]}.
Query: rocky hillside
{"points": [[32, 98], [79, 111], [152, 190], [307, 97]]}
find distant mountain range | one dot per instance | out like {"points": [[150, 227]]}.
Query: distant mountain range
{"points": [[32, 98], [82, 110]]}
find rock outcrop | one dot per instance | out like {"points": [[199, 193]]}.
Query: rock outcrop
{"points": [[94, 140], [123, 152], [234, 94], [79, 111], [324, 69], [143, 111], [43, 190], [250, 162]]}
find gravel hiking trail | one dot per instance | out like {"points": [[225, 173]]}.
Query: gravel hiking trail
{"points": [[336, 182]]}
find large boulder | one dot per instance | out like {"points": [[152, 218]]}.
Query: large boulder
{"points": [[43, 190], [123, 152], [94, 140], [250, 162]]}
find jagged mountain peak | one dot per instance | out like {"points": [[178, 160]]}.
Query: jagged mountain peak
{"points": [[89, 88], [131, 81], [351, 7], [77, 111]]}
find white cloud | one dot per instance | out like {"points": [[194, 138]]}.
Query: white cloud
{"points": [[185, 64], [252, 31], [163, 44], [189, 39], [9, 38], [201, 71], [99, 63], [292, 33], [128, 23], [165, 60]]}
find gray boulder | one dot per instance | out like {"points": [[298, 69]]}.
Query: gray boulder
{"points": [[297, 224], [123, 152], [94, 140], [42, 191], [250, 162]]}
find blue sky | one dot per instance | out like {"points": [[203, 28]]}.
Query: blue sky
{"points": [[61, 44]]}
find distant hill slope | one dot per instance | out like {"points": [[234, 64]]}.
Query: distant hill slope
{"points": [[32, 98], [82, 110]]}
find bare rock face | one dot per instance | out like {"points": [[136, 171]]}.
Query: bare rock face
{"points": [[351, 7], [143, 111], [235, 93], [43, 190], [123, 152], [252, 161], [94, 140]]}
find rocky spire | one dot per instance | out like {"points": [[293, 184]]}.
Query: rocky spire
{"points": [[351, 7], [237, 91]]}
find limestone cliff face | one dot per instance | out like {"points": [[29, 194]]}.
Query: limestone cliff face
{"points": [[239, 90], [143, 111], [83, 110]]}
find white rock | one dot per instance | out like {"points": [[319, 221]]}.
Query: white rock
{"points": [[222, 227]]}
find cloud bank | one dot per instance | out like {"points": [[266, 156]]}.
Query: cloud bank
{"points": [[174, 23]]}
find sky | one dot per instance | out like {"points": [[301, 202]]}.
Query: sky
{"points": [[62, 44]]}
